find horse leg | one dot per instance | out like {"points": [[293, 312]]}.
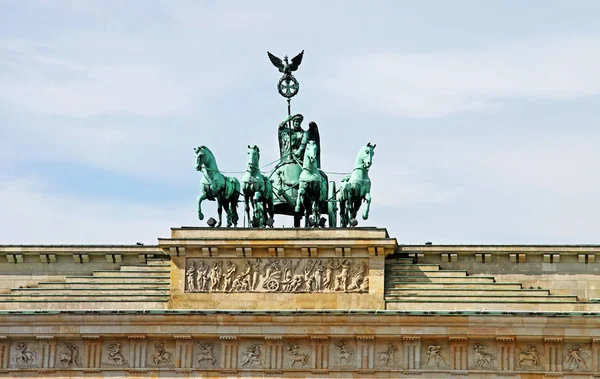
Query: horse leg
{"points": [[368, 200], [300, 199], [247, 205], [219, 212], [316, 212], [343, 216], [201, 198], [307, 209], [228, 213]]}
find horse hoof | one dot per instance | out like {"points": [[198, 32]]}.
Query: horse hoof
{"points": [[365, 216], [297, 209], [218, 225], [200, 216]]}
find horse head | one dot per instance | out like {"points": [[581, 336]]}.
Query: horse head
{"points": [[253, 157], [364, 159], [205, 158], [310, 155], [199, 151]]}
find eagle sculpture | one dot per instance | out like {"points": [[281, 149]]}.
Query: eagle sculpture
{"points": [[284, 65]]}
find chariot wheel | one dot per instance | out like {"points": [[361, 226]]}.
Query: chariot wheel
{"points": [[272, 285], [332, 205]]}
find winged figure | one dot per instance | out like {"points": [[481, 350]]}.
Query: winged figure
{"points": [[293, 137], [284, 65]]}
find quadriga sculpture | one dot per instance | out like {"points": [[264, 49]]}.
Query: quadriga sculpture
{"points": [[312, 191], [216, 186], [356, 188], [257, 190]]}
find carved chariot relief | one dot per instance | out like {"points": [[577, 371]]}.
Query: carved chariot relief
{"points": [[277, 275]]}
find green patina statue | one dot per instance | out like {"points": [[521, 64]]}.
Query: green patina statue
{"points": [[297, 186], [293, 139], [216, 186], [257, 190], [356, 188], [312, 191]]}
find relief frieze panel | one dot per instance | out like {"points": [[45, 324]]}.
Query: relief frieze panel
{"points": [[162, 354], [114, 354], [292, 354], [206, 354], [343, 353], [24, 354], [389, 355], [436, 354], [577, 357], [529, 357], [276, 275]]}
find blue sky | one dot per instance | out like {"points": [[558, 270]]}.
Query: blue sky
{"points": [[485, 113]]}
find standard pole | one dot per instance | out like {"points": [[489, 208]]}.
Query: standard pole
{"points": [[289, 101]]}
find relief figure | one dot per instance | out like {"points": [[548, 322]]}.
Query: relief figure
{"points": [[358, 277], [69, 356], [529, 358], [115, 358], [161, 356], [318, 276], [252, 356], [482, 358], [190, 276], [575, 358], [344, 354], [434, 356], [24, 357], [308, 278], [231, 269], [389, 356], [216, 273], [202, 276], [341, 280], [205, 353], [296, 356], [329, 269]]}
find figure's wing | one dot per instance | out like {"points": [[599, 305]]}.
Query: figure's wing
{"points": [[277, 62], [313, 134], [296, 61]]}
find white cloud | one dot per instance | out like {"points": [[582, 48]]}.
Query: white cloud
{"points": [[139, 84], [425, 85]]}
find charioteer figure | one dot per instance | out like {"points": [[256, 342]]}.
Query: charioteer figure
{"points": [[293, 139]]}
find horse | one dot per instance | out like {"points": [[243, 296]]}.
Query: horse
{"points": [[216, 186], [356, 187], [312, 191], [257, 190]]}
